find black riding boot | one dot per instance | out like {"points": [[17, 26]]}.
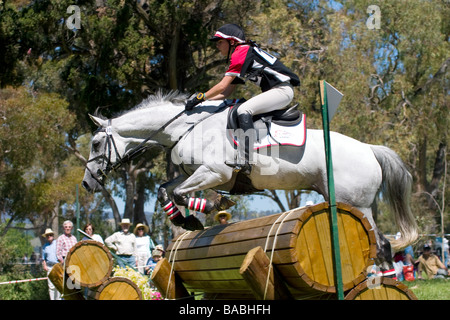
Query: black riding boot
{"points": [[246, 142]]}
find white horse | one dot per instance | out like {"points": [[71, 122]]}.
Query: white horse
{"points": [[200, 145]]}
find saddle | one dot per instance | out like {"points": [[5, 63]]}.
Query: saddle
{"points": [[285, 117], [279, 127]]}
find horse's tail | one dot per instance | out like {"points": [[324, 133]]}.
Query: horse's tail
{"points": [[396, 188]]}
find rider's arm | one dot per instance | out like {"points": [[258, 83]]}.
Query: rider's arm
{"points": [[228, 91], [222, 89]]}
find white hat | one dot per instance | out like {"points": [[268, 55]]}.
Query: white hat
{"points": [[47, 232], [139, 225], [125, 221]]}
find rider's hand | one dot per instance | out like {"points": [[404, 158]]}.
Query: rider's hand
{"points": [[191, 103]]}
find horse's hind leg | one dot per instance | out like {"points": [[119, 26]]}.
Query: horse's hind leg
{"points": [[202, 179], [384, 255], [384, 251]]}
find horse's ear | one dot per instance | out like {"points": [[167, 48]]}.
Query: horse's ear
{"points": [[99, 122]]}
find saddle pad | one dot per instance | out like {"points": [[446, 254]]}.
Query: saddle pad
{"points": [[280, 135]]}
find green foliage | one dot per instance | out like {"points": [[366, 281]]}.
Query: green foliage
{"points": [[32, 138], [35, 290], [13, 246]]}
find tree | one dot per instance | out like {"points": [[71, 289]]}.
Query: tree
{"points": [[32, 158]]}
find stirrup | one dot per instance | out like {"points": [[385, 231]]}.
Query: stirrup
{"points": [[245, 168]]}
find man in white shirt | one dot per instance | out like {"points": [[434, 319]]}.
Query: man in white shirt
{"points": [[124, 244]]}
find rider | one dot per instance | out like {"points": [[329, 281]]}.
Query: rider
{"points": [[249, 62]]}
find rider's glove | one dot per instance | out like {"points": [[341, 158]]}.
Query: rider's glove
{"points": [[191, 103]]}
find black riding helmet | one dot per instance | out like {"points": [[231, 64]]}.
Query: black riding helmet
{"points": [[229, 32]]}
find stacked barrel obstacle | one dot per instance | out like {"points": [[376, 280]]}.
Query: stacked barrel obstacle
{"points": [[88, 265], [282, 256]]}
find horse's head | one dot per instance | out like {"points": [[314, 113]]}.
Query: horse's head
{"points": [[102, 156]]}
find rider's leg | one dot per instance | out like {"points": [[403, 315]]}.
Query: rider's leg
{"points": [[274, 99]]}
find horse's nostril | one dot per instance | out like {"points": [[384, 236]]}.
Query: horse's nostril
{"points": [[86, 186]]}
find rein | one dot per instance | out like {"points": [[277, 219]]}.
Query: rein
{"points": [[136, 151]]}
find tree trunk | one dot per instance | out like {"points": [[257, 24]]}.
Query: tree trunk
{"points": [[172, 64], [139, 203]]}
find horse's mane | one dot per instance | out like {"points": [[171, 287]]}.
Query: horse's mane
{"points": [[157, 99], [160, 97]]}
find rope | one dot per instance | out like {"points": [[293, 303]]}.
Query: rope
{"points": [[25, 280], [283, 216], [177, 244]]}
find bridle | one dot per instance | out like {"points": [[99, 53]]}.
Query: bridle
{"points": [[102, 174], [133, 153]]}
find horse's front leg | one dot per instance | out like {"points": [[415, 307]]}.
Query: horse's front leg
{"points": [[172, 211], [202, 179], [166, 203]]}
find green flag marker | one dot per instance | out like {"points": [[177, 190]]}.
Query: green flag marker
{"points": [[330, 99]]}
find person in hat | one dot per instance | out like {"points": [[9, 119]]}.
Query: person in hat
{"points": [[152, 261], [222, 217], [124, 244], [49, 259], [160, 248], [249, 62], [431, 264], [144, 245]]}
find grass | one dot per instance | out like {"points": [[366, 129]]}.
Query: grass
{"points": [[434, 289]]}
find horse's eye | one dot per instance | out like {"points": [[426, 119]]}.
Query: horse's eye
{"points": [[95, 145]]}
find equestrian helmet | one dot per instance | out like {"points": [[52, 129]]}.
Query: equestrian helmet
{"points": [[229, 32]]}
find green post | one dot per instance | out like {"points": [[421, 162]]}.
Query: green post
{"points": [[331, 195]]}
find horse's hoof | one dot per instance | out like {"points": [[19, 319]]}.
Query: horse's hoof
{"points": [[191, 223], [223, 203]]}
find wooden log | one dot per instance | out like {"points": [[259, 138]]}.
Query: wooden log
{"points": [[209, 260], [167, 282], [386, 289], [90, 263], [118, 288], [262, 278], [64, 284]]}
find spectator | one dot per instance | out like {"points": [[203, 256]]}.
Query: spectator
{"points": [[89, 229], [65, 241], [222, 217], [161, 250], [124, 244], [431, 264], [144, 245], [152, 261], [399, 258], [49, 259]]}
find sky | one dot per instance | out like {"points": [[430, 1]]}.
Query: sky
{"points": [[256, 203]]}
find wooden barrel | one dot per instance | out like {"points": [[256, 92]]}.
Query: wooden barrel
{"points": [[68, 288], [386, 289], [89, 262], [209, 260], [118, 288]]}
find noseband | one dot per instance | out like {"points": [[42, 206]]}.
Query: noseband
{"points": [[102, 174]]}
